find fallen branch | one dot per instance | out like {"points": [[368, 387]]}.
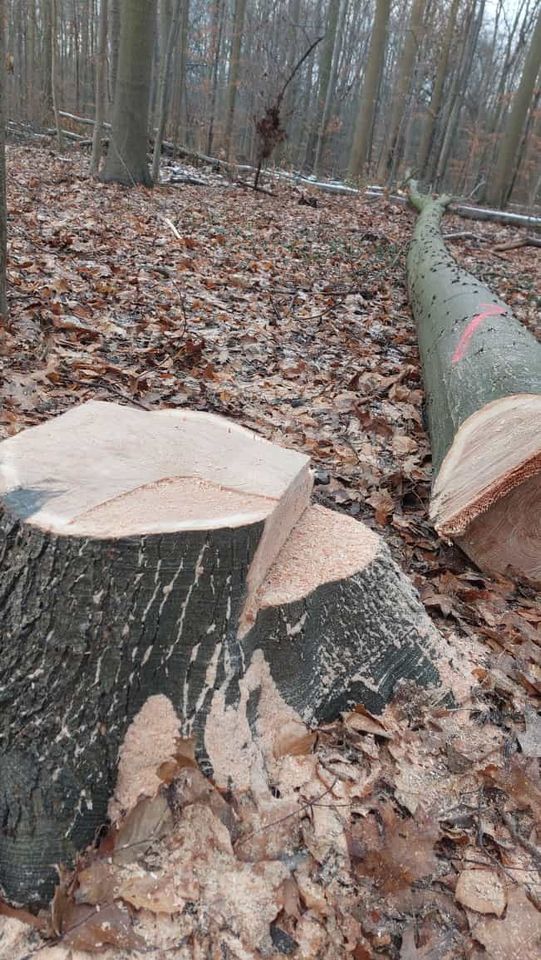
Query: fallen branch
{"points": [[482, 374], [515, 244]]}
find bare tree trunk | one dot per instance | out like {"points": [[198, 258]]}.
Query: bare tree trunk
{"points": [[217, 30], [3, 210], [436, 99], [236, 44], [47, 51], [54, 74], [114, 18], [325, 64], [331, 80], [163, 90], [499, 189], [475, 20], [370, 90], [101, 77], [128, 146], [406, 70], [181, 125]]}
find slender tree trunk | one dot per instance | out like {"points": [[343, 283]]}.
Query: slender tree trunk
{"points": [[163, 89], [499, 189], [182, 117], [101, 77], [436, 99], [217, 30], [290, 60], [370, 90], [406, 72], [47, 52], [114, 32], [475, 21], [3, 210], [128, 145], [232, 83], [325, 67], [331, 80], [54, 73]]}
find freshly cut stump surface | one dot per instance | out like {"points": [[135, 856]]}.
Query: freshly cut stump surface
{"points": [[169, 560]]}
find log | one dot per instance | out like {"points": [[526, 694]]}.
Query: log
{"points": [[169, 561], [482, 375]]}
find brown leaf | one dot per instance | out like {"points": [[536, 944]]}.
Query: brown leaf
{"points": [[93, 929], [403, 854], [517, 935], [149, 820], [482, 891]]}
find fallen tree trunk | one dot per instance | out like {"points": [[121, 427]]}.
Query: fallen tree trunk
{"points": [[482, 375], [167, 560]]}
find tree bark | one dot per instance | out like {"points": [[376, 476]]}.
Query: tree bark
{"points": [[362, 140], [114, 19], [233, 80], [335, 49], [163, 89], [406, 71], [171, 553], [499, 189], [54, 73], [127, 157], [216, 46], [482, 374], [101, 78]]}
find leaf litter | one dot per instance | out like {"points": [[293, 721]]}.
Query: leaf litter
{"points": [[411, 835]]}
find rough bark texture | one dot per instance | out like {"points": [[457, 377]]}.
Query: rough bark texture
{"points": [[482, 374], [127, 157], [93, 626]]}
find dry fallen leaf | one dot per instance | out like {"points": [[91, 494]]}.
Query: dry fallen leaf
{"points": [[517, 936], [482, 891]]}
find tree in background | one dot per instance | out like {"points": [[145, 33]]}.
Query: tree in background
{"points": [[127, 161], [171, 20], [233, 80], [501, 183], [362, 140], [101, 81], [440, 86], [332, 60], [402, 87]]}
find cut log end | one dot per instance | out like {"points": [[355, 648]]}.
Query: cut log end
{"points": [[487, 493], [507, 538]]}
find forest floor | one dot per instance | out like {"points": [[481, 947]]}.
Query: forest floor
{"points": [[415, 835]]}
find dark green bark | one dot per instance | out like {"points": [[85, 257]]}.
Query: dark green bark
{"points": [[92, 628], [501, 358]]}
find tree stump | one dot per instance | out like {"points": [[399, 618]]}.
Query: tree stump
{"points": [[482, 376], [172, 555]]}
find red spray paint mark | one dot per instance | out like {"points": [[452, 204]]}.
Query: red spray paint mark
{"points": [[489, 310]]}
